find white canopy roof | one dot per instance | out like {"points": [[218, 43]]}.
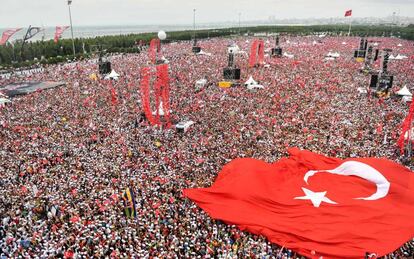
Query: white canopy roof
{"points": [[333, 54], [362, 90], [184, 125], [203, 53], [112, 75], [399, 56], [288, 55], [4, 100], [250, 81], [404, 92]]}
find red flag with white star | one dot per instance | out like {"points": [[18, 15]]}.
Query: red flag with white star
{"points": [[316, 205]]}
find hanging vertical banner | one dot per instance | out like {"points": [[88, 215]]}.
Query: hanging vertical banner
{"points": [[145, 94], [256, 53], [253, 53], [7, 34], [59, 31], [260, 52], [161, 88], [155, 47]]}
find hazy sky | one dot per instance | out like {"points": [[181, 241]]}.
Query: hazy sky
{"points": [[15, 13]]}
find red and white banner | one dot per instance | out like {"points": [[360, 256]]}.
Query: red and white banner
{"points": [[348, 13], [155, 47], [7, 34], [59, 31], [256, 53], [319, 206], [161, 89]]}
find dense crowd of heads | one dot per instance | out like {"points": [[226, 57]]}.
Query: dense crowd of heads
{"points": [[67, 154]]}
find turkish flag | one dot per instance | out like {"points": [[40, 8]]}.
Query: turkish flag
{"points": [[7, 34], [348, 13], [316, 205]]}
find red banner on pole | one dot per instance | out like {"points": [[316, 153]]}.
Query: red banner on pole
{"points": [[59, 31], [406, 129], [7, 34], [348, 13]]}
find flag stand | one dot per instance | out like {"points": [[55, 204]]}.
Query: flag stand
{"points": [[350, 25]]}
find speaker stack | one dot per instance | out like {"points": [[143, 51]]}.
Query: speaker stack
{"points": [[104, 67], [277, 51], [230, 73], [361, 53], [196, 49]]}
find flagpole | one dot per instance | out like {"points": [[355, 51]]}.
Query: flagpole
{"points": [[71, 28], [350, 25]]}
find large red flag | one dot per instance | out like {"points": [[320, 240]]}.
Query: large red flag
{"points": [[59, 31], [316, 205], [348, 13], [7, 34], [406, 130]]}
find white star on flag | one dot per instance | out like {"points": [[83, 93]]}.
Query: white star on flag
{"points": [[316, 197]]}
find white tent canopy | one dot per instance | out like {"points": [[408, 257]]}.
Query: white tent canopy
{"points": [[404, 92], [333, 54], [233, 49], [113, 75], [200, 83], [252, 84], [3, 101], [203, 53], [288, 55], [362, 90], [184, 125]]}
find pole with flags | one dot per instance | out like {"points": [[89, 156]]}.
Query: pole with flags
{"points": [[71, 27], [348, 13]]}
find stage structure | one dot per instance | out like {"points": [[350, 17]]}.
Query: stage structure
{"points": [[360, 54], [104, 65], [370, 58], [196, 49], [277, 50], [381, 82], [231, 73]]}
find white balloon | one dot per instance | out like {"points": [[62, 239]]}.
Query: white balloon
{"points": [[162, 35]]}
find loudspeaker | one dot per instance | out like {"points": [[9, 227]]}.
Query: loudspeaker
{"points": [[277, 52], [374, 81], [196, 49], [231, 73], [105, 67]]}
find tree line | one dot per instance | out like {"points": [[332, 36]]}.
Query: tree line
{"points": [[47, 52]]}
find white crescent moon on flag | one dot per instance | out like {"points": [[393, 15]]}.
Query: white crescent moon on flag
{"points": [[355, 168]]}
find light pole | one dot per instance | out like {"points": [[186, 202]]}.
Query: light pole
{"points": [[239, 22], [194, 27], [71, 28]]}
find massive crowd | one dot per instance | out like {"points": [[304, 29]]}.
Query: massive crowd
{"points": [[67, 154]]}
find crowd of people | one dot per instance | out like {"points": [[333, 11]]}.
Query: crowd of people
{"points": [[67, 154]]}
